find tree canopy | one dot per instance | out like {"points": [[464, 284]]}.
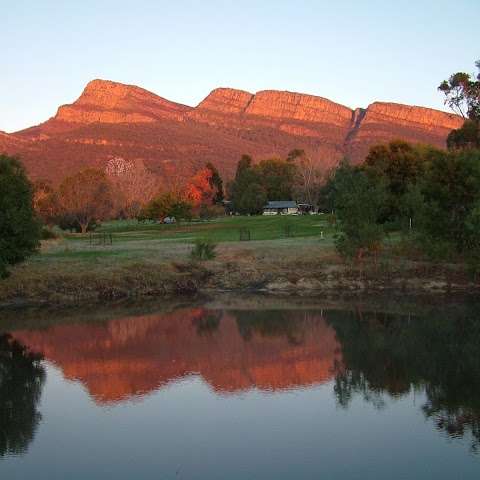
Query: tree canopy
{"points": [[466, 137], [435, 192], [86, 196], [46, 202], [19, 226], [358, 202], [255, 184], [451, 191], [216, 183], [462, 93], [167, 205], [399, 166]]}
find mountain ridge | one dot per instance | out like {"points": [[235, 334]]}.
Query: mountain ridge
{"points": [[114, 119]]}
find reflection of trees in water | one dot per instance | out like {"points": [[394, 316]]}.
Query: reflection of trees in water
{"points": [[208, 323], [269, 323], [390, 355], [21, 382]]}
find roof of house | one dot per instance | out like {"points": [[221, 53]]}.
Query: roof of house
{"points": [[281, 204]]}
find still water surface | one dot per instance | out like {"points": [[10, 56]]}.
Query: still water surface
{"points": [[242, 390]]}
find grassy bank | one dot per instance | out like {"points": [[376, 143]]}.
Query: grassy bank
{"points": [[284, 254]]}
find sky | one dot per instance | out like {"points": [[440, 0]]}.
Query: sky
{"points": [[352, 52]]}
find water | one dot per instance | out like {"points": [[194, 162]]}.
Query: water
{"points": [[241, 389]]}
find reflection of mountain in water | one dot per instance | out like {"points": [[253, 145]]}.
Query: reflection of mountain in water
{"points": [[232, 351], [21, 382], [371, 355], [385, 355]]}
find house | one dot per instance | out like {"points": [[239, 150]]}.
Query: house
{"points": [[281, 207], [306, 208]]}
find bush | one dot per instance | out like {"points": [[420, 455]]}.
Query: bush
{"points": [[47, 234], [204, 250], [68, 222], [208, 212]]}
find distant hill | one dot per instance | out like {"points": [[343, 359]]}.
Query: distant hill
{"points": [[111, 119]]}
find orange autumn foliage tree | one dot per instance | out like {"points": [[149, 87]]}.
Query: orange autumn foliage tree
{"points": [[205, 188], [199, 190]]}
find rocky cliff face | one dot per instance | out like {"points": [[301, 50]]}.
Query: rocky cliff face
{"points": [[112, 119], [110, 102], [11, 143], [277, 105], [300, 107], [225, 100], [274, 109], [381, 122]]}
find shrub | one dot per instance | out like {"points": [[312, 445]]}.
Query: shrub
{"points": [[47, 234], [208, 212], [204, 250], [68, 222]]}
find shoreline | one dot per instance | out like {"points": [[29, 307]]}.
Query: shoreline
{"points": [[187, 279]]}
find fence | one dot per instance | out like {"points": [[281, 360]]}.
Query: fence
{"points": [[102, 239], [245, 234]]}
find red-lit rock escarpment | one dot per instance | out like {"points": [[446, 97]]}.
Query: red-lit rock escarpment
{"points": [[113, 119], [380, 122], [110, 102]]}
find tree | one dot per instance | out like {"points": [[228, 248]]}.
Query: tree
{"points": [[271, 179], [166, 205], [133, 185], [202, 189], [216, 183], [253, 200], [46, 202], [245, 176], [398, 162], [399, 165], [244, 164], [451, 190], [307, 177], [462, 94], [359, 201], [86, 196], [19, 226], [277, 178], [466, 137]]}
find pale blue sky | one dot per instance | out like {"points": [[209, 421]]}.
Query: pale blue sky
{"points": [[353, 52]]}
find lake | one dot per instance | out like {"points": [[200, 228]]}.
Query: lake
{"points": [[241, 388]]}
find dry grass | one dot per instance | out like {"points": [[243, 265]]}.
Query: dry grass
{"points": [[71, 270]]}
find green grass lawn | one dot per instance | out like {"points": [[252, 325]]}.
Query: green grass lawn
{"points": [[225, 229], [155, 243]]}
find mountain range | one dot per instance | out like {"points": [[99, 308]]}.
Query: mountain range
{"points": [[112, 119]]}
